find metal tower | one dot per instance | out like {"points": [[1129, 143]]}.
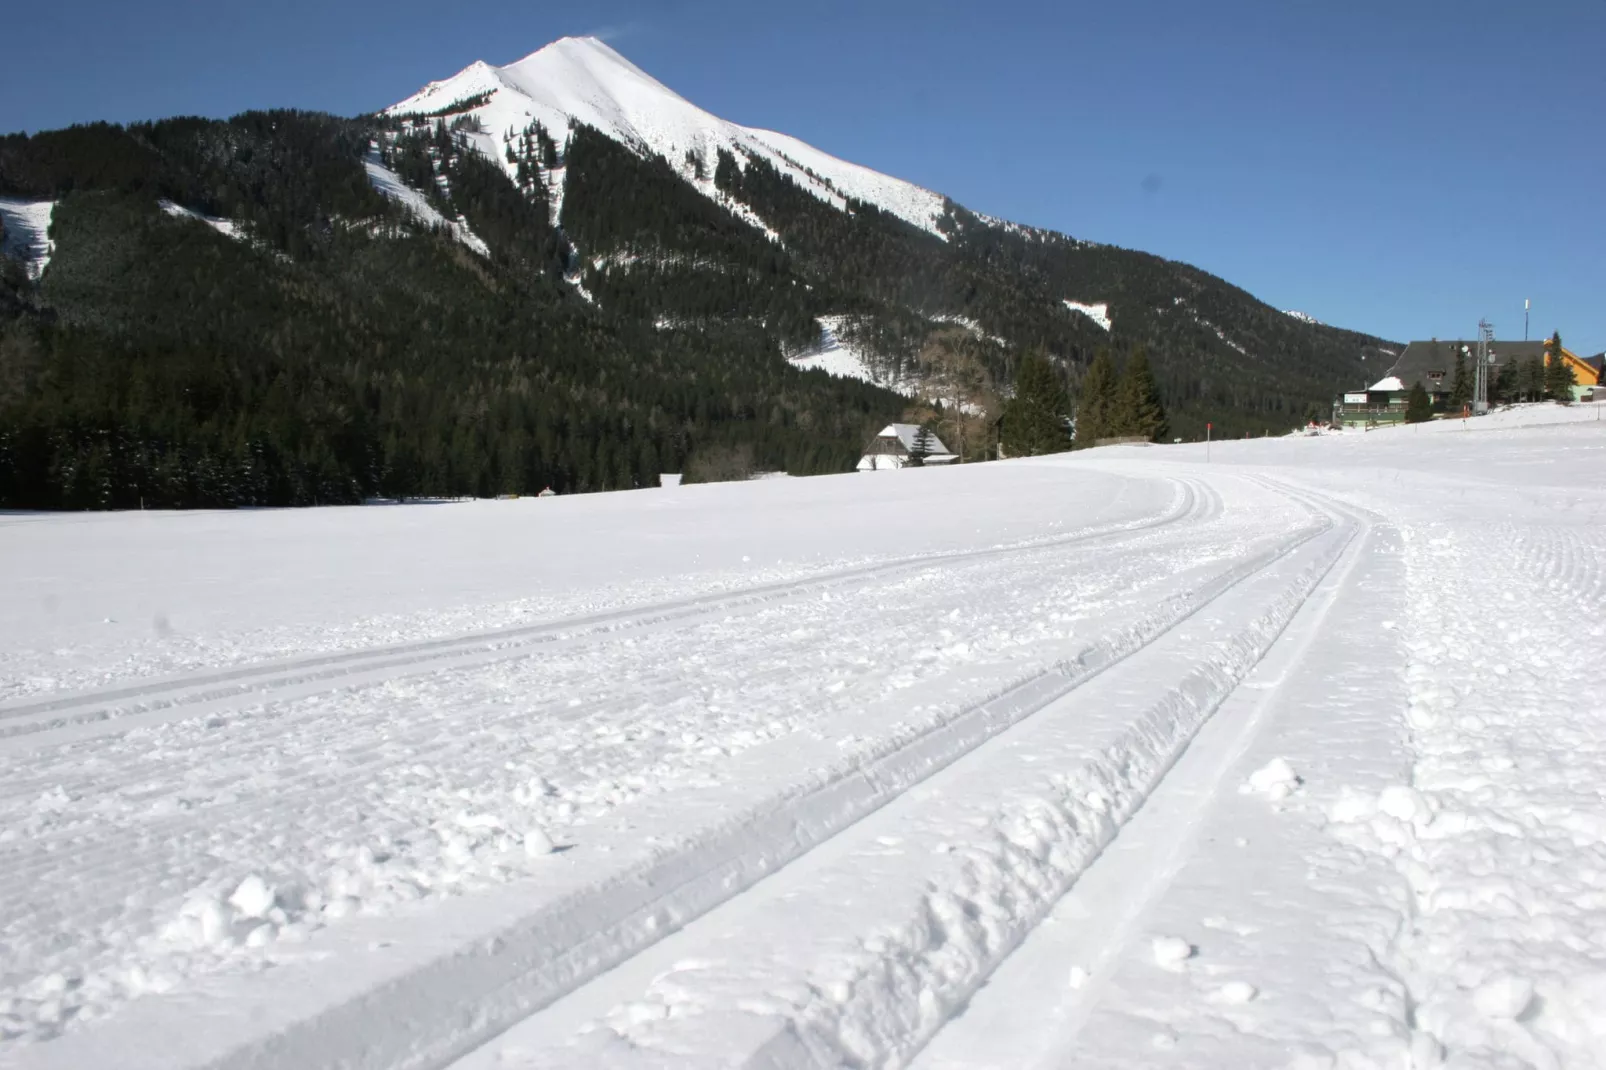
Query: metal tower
{"points": [[1480, 376]]}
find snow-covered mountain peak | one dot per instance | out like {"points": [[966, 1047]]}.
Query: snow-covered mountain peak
{"points": [[582, 79]]}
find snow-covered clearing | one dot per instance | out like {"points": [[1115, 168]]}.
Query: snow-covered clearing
{"points": [[417, 205], [226, 227], [27, 233], [844, 359], [1291, 758], [1099, 313]]}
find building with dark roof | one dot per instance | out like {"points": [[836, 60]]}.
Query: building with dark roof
{"points": [[1432, 363]]}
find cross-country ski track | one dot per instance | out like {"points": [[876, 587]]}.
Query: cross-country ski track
{"points": [[1137, 770]]}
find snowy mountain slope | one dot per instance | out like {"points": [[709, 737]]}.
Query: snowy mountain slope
{"points": [[583, 80], [27, 233], [390, 184], [842, 358]]}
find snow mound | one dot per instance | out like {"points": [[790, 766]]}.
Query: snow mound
{"points": [[1172, 953], [390, 184], [27, 233], [1276, 780], [1099, 313], [1234, 993], [226, 227], [581, 79]]}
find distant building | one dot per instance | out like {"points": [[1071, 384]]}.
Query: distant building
{"points": [[1432, 364], [1379, 405], [893, 445]]}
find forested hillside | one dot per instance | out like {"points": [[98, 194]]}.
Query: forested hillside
{"points": [[236, 313]]}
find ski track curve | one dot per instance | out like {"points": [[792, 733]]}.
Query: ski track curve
{"points": [[1157, 736], [1201, 505]]}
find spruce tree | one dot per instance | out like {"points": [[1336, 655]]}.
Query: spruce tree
{"points": [[1034, 419], [1508, 384], [1559, 377], [921, 448], [1138, 400], [1096, 408], [1461, 385], [1419, 407], [1533, 378]]}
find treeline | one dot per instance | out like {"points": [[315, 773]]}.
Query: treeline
{"points": [[324, 358]]}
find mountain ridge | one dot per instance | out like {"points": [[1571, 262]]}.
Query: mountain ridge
{"points": [[480, 290]]}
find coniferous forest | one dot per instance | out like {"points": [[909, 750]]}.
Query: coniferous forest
{"points": [[332, 348]]}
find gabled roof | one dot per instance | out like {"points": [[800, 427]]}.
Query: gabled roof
{"points": [[1421, 358], [1390, 383], [906, 435]]}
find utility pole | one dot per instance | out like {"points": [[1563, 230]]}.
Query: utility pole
{"points": [[1480, 377]]}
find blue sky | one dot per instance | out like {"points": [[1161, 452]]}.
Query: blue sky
{"points": [[1396, 166]]}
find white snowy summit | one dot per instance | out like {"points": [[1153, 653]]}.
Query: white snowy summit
{"points": [[582, 79]]}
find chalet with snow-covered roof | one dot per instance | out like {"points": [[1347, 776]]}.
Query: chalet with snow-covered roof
{"points": [[1379, 405], [1432, 363], [897, 446]]}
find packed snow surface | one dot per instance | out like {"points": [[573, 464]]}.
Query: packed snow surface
{"points": [[27, 233], [1115, 759], [584, 80], [1099, 313]]}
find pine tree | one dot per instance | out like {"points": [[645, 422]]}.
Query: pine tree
{"points": [[920, 449], [1096, 407], [1138, 400], [1461, 385], [1533, 378], [1508, 384], [1559, 377], [1419, 407], [1034, 420]]}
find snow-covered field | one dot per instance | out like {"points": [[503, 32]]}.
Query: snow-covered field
{"points": [[1288, 757]]}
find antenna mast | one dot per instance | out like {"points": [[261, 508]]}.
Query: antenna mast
{"points": [[1480, 377]]}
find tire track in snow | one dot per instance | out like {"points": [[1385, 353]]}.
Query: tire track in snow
{"points": [[143, 704]]}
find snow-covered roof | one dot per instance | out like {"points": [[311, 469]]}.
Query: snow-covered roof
{"points": [[907, 433], [1391, 383]]}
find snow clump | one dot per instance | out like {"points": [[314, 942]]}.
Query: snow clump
{"points": [[1276, 780], [1172, 953]]}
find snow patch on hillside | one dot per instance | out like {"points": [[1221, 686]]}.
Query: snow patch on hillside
{"points": [[970, 325], [1304, 317], [844, 359], [581, 79], [27, 233], [226, 227], [390, 184], [1099, 313]]}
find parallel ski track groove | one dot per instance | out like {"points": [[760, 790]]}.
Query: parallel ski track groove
{"points": [[724, 876], [1117, 930], [507, 644]]}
